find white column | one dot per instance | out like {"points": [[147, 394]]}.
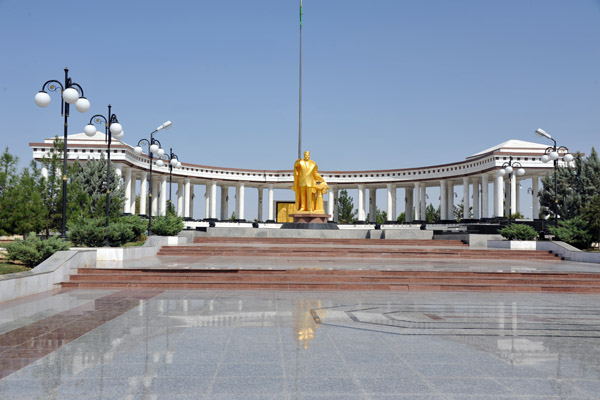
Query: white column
{"points": [[450, 193], [535, 201], [499, 196], [239, 201], [330, 203], [127, 205], [423, 198], [408, 205], [476, 197], [224, 203], [213, 200], [191, 215], [163, 195], [518, 207], [143, 193], [336, 206], [443, 201], [260, 203], [207, 201], [390, 202], [271, 205], [186, 202], [485, 203], [466, 198], [513, 194], [372, 204], [417, 201], [394, 204], [155, 196], [180, 201], [507, 201], [133, 194], [361, 202]]}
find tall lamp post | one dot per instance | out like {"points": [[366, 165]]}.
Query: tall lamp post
{"points": [[554, 153], [71, 93], [112, 128], [173, 163], [509, 168], [154, 147]]}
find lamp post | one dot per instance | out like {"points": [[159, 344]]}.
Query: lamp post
{"points": [[554, 153], [71, 93], [173, 163], [509, 168], [112, 127], [154, 147]]}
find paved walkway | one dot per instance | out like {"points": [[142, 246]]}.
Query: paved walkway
{"points": [[105, 344], [153, 344]]}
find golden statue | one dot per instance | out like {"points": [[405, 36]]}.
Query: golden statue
{"points": [[309, 186]]}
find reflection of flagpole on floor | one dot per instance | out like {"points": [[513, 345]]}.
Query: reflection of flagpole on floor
{"points": [[300, 92]]}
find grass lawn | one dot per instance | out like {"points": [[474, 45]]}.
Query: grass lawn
{"points": [[9, 268]]}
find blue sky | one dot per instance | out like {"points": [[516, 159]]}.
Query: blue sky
{"points": [[387, 83]]}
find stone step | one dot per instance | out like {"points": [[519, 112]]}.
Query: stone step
{"points": [[248, 251], [335, 280], [369, 242]]}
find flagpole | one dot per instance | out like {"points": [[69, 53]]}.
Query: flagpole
{"points": [[300, 92]]}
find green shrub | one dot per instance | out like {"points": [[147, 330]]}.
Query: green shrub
{"points": [[137, 225], [91, 232], [169, 225], [32, 251], [574, 231], [518, 232]]}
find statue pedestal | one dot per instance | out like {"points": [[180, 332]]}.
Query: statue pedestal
{"points": [[310, 218], [310, 221]]}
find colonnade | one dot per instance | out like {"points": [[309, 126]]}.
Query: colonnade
{"points": [[475, 198]]}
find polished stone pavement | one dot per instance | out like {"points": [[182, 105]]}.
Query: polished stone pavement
{"points": [[152, 344]]}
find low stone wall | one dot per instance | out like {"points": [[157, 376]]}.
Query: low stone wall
{"points": [[562, 249], [45, 276], [56, 269], [346, 233]]}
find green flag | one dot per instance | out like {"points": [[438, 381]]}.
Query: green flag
{"points": [[300, 12]]}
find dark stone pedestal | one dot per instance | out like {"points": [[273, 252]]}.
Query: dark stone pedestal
{"points": [[310, 221]]}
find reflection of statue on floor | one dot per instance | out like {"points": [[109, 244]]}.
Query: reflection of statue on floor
{"points": [[309, 186]]}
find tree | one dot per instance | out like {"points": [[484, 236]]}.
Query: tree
{"points": [[575, 187], [8, 169], [402, 217], [346, 212], [51, 186], [380, 216], [432, 214], [459, 211], [90, 180], [21, 208], [591, 214]]}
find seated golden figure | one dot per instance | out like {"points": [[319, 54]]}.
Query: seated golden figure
{"points": [[309, 186]]}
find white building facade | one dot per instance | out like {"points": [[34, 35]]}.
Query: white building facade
{"points": [[483, 188]]}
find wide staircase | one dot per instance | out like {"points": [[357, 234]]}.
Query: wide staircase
{"points": [[371, 249], [317, 279], [341, 278]]}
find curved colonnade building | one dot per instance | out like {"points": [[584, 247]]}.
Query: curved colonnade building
{"points": [[483, 188]]}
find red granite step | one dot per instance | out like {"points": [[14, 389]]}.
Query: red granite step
{"points": [[313, 279], [353, 252], [370, 242]]}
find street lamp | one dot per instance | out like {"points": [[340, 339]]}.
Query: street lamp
{"points": [[71, 93], [112, 127], [154, 147], [554, 153], [509, 168], [173, 163]]}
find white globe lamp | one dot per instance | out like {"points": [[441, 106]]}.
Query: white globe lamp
{"points": [[42, 99], [90, 130], [70, 95]]}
